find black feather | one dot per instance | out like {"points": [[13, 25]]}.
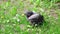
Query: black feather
{"points": [[34, 18]]}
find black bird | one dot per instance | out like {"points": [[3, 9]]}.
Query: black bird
{"points": [[34, 18]]}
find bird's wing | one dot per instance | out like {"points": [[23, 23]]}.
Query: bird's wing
{"points": [[34, 16]]}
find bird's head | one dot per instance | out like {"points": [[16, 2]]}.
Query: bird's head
{"points": [[29, 13]]}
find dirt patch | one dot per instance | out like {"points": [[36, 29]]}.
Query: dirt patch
{"points": [[22, 26]]}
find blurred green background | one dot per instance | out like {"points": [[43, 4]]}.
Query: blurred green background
{"points": [[12, 20]]}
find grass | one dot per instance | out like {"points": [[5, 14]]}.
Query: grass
{"points": [[12, 20]]}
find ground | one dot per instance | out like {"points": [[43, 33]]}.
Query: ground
{"points": [[13, 20]]}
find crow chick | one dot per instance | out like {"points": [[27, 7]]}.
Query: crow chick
{"points": [[34, 18]]}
